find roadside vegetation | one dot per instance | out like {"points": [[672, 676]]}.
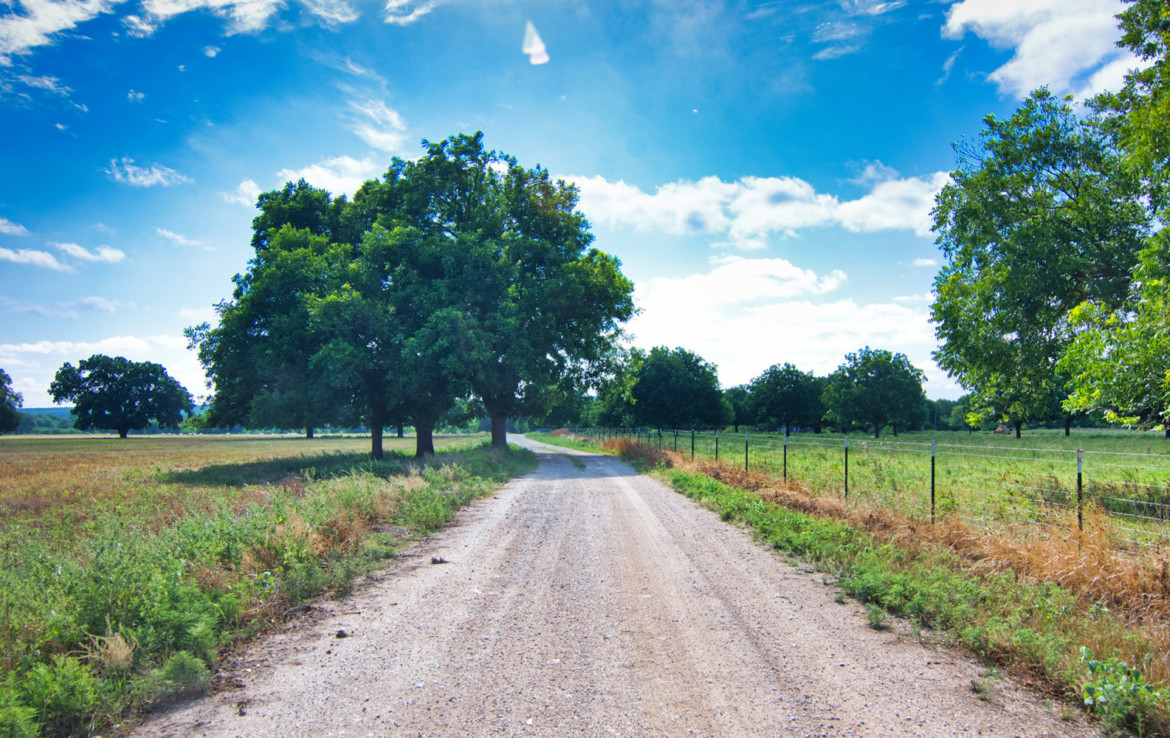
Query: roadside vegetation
{"points": [[1076, 621], [125, 571]]}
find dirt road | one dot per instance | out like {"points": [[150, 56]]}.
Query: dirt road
{"points": [[593, 601]]}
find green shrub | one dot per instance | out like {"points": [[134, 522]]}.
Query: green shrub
{"points": [[1117, 694], [64, 693], [183, 675], [17, 720]]}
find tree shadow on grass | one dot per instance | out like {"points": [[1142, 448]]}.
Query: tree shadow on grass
{"points": [[321, 466]]}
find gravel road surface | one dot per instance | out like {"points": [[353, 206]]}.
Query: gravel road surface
{"points": [[585, 599]]}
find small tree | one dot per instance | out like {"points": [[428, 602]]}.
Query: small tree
{"points": [[876, 388], [10, 402], [785, 396], [119, 394]]}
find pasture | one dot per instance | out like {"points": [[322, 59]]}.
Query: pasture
{"points": [[126, 566]]}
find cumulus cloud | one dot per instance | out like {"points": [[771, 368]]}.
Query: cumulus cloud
{"points": [[1065, 44], [750, 209], [124, 170], [9, 228], [103, 253], [379, 126], [338, 175], [745, 315], [405, 12], [245, 194], [31, 257], [135, 96], [211, 51]]}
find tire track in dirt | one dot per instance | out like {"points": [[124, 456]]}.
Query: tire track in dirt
{"points": [[598, 602]]}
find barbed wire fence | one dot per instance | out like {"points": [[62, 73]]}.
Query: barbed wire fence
{"points": [[987, 487]]}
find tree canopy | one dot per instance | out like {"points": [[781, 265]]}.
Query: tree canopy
{"points": [[114, 393], [1039, 216], [457, 275], [10, 402], [876, 388], [675, 388], [784, 396]]}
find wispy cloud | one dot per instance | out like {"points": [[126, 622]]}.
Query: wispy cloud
{"points": [[9, 228], [1069, 45], [42, 21], [332, 12], [925, 263], [31, 257], [405, 12], [835, 52], [135, 96], [245, 194], [749, 210], [68, 310], [103, 253], [124, 170], [180, 239], [379, 126]]}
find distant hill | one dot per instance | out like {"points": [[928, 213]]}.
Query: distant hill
{"points": [[60, 412]]}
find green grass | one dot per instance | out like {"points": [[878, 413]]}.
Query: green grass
{"points": [[122, 596]]}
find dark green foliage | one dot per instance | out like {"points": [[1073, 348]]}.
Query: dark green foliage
{"points": [[675, 388], [876, 388], [742, 407], [10, 402], [785, 397], [119, 394]]}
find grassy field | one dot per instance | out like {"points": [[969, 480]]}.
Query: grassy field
{"points": [[1064, 611], [991, 482], [126, 566]]}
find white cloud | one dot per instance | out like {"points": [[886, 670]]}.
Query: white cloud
{"points": [[745, 315], [135, 96], [870, 7], [211, 51], [8, 228], [31, 257], [338, 175], [244, 16], [48, 84], [124, 170], [66, 310], [41, 21], [177, 238], [380, 126], [405, 12], [333, 12], [835, 52], [836, 31], [103, 253], [41, 359], [99, 304], [1063, 44], [750, 209], [923, 262], [245, 194]]}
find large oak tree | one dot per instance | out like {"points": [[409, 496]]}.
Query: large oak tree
{"points": [[114, 393]]}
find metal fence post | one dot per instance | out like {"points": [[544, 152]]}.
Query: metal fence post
{"points": [[675, 440], [932, 453], [846, 468], [746, 442], [1080, 492], [692, 444], [785, 453], [717, 444]]}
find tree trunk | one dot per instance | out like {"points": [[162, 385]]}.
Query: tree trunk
{"points": [[401, 431], [1018, 429], [877, 431], [499, 432], [308, 432], [123, 432], [424, 435], [895, 427], [377, 420], [1067, 426]]}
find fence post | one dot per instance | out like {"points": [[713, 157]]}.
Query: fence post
{"points": [[660, 438], [846, 468], [1080, 492], [746, 442], [785, 453], [675, 440], [692, 444], [717, 444], [932, 453]]}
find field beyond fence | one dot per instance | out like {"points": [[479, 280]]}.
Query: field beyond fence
{"points": [[1114, 480]]}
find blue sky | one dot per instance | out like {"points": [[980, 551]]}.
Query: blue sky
{"points": [[765, 170]]}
